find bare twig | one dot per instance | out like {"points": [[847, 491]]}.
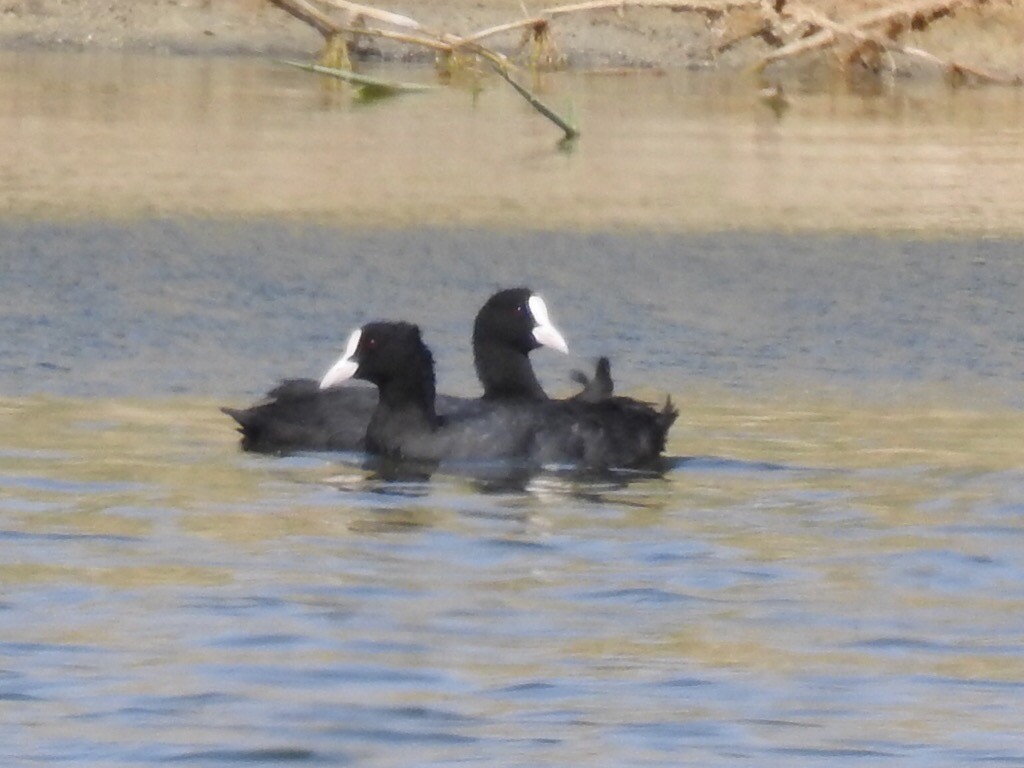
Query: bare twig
{"points": [[395, 19], [361, 80], [830, 31], [304, 11], [874, 33], [706, 8], [675, 5], [570, 131], [826, 36], [330, 29]]}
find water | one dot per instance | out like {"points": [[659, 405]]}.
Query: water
{"points": [[109, 135], [830, 571]]}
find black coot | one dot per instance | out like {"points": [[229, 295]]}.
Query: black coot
{"points": [[608, 432], [299, 415]]}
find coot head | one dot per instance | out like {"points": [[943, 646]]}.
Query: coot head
{"points": [[512, 323], [391, 355], [517, 318]]}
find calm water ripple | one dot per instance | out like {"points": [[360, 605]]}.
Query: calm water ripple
{"points": [[828, 571]]}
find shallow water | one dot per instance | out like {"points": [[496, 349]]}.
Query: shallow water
{"points": [[829, 572], [110, 135]]}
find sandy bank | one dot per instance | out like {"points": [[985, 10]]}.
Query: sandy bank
{"points": [[992, 37]]}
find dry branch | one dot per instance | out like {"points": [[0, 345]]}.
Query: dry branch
{"points": [[885, 42], [674, 5], [304, 11], [395, 19], [571, 131], [873, 33], [864, 30], [328, 27], [331, 29], [374, 84], [827, 36], [546, 15]]}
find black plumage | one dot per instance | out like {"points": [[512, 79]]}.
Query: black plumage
{"points": [[603, 433], [299, 415]]}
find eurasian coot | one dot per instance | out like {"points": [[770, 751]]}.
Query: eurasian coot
{"points": [[606, 433], [299, 415]]}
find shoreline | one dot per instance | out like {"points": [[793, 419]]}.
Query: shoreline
{"points": [[643, 37], [991, 37]]}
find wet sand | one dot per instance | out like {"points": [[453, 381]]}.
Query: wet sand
{"points": [[991, 37]]}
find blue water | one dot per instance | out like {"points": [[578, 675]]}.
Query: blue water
{"points": [[224, 310], [829, 572]]}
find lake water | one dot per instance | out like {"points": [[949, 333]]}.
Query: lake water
{"points": [[831, 571]]}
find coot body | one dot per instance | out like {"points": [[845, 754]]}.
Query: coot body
{"points": [[406, 424], [298, 415]]}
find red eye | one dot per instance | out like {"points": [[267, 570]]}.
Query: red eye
{"points": [[519, 309], [371, 343]]}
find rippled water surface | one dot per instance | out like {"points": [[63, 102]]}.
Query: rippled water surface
{"points": [[829, 572]]}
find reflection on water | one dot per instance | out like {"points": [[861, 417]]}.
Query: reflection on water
{"points": [[116, 135]]}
